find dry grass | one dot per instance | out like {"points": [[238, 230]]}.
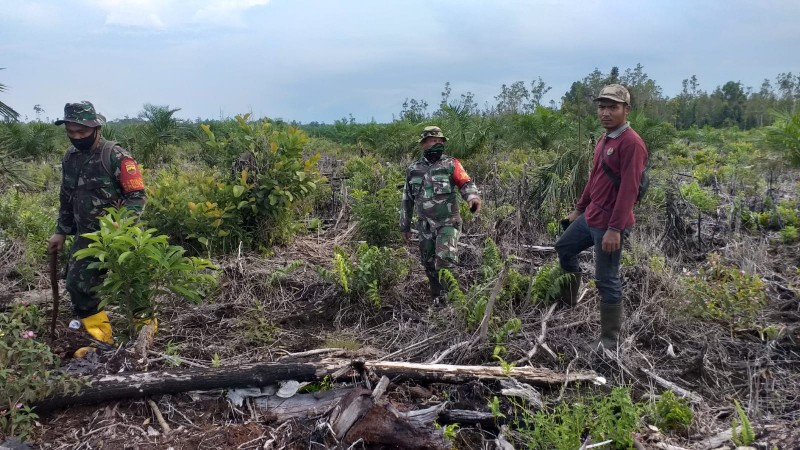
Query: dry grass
{"points": [[260, 316]]}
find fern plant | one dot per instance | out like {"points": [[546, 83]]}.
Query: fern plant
{"points": [[546, 285], [280, 274], [746, 435], [372, 270]]}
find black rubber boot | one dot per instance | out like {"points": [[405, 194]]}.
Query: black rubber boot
{"points": [[436, 286], [610, 323], [568, 295]]}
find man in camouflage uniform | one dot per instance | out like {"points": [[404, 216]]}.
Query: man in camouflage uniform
{"points": [[433, 184], [96, 174]]}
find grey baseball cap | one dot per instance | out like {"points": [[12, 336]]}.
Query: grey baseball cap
{"points": [[615, 92]]}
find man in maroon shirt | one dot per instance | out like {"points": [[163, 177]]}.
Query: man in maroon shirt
{"points": [[605, 210]]}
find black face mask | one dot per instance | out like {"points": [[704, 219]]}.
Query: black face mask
{"points": [[434, 153], [86, 142]]}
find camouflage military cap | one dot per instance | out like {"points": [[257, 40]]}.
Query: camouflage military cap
{"points": [[431, 132], [82, 113], [615, 92]]}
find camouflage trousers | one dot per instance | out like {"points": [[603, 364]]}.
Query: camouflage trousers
{"points": [[81, 280], [438, 248]]}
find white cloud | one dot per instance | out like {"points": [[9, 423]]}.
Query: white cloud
{"points": [[225, 12], [169, 15], [30, 13]]}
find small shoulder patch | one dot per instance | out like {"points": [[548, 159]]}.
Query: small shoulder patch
{"points": [[130, 177]]}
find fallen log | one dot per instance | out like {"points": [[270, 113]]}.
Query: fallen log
{"points": [[118, 386], [446, 373]]}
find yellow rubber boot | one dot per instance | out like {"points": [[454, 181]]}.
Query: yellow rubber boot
{"points": [[98, 326]]}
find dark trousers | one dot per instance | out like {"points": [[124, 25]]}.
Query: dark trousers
{"points": [[81, 281], [578, 237]]}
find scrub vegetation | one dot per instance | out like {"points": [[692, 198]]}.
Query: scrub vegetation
{"points": [[299, 224]]}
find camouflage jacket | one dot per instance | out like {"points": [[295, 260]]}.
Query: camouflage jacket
{"points": [[434, 189], [88, 187]]}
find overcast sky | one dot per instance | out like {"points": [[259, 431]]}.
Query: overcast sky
{"points": [[316, 60]]}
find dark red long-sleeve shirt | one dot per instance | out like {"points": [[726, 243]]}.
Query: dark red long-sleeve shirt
{"points": [[603, 205]]}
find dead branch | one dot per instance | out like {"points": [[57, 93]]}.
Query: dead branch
{"points": [[540, 338], [689, 395], [483, 329], [159, 417], [717, 440], [136, 385]]}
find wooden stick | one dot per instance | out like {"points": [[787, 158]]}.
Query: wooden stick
{"points": [[689, 395], [317, 351], [540, 338], [159, 417], [717, 440], [483, 329], [448, 351]]}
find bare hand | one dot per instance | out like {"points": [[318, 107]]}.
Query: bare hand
{"points": [[611, 241], [573, 216], [474, 205], [56, 243]]}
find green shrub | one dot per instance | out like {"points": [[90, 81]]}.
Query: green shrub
{"points": [[672, 413], [705, 201], [365, 173], [276, 176], [29, 217], [789, 234], [613, 416], [28, 369], [140, 265], [195, 210], [726, 293], [377, 215], [776, 217]]}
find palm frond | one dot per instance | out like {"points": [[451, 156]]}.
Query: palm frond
{"points": [[7, 112], [559, 184]]}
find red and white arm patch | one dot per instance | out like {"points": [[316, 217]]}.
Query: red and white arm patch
{"points": [[130, 177], [460, 176]]}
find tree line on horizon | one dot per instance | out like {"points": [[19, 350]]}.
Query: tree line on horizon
{"points": [[730, 105]]}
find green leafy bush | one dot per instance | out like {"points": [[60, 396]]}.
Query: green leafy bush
{"points": [[195, 210], [613, 416], [789, 234], [30, 218], [28, 370], [672, 413], [274, 179], [776, 217], [704, 201], [783, 136], [365, 173], [140, 265], [377, 215], [726, 293]]}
